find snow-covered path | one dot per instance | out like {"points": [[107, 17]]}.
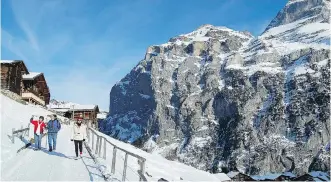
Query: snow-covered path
{"points": [[30, 165]]}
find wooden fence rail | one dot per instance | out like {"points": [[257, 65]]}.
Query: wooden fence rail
{"points": [[20, 133], [97, 151]]}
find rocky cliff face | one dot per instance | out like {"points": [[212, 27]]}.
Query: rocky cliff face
{"points": [[219, 99]]}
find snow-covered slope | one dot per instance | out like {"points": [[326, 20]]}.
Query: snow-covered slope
{"points": [[30, 165], [59, 165], [157, 167]]}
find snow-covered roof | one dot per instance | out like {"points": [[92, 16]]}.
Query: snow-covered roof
{"points": [[31, 75], [232, 174], [102, 115], [60, 109], [321, 175], [84, 107], [72, 106], [289, 174], [7, 61], [266, 177]]}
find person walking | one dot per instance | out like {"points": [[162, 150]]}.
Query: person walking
{"points": [[38, 131], [53, 127], [78, 136]]}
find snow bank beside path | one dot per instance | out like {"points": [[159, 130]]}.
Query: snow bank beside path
{"points": [[156, 166]]}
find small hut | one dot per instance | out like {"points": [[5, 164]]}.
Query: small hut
{"points": [[238, 176], [313, 176]]}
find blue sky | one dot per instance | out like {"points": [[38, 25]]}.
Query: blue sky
{"points": [[84, 47]]}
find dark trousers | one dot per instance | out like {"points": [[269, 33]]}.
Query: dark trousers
{"points": [[52, 139], [80, 144]]}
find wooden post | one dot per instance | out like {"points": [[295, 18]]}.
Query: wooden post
{"points": [[97, 145], [113, 161], [92, 140], [125, 166], [104, 148], [21, 133], [13, 139], [100, 144], [142, 168]]}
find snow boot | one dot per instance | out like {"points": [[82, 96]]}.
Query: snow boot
{"points": [[50, 149]]}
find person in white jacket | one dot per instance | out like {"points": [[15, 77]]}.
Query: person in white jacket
{"points": [[78, 136]]}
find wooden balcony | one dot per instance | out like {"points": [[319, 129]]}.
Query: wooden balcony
{"points": [[29, 96]]}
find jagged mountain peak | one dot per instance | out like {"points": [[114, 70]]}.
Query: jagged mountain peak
{"points": [[296, 10], [207, 32], [249, 102]]}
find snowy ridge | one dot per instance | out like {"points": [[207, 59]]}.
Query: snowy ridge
{"points": [[204, 33]]}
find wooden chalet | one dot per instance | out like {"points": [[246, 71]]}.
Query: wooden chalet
{"points": [[89, 113], [313, 176], [286, 176], [35, 89], [306, 177], [238, 176], [12, 72]]}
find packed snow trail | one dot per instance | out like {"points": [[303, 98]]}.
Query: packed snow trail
{"points": [[59, 165]]}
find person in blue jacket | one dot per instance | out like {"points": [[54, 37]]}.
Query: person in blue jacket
{"points": [[53, 127]]}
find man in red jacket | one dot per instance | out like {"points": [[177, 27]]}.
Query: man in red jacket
{"points": [[38, 131]]}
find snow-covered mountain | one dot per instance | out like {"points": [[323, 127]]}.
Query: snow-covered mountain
{"points": [[53, 103], [220, 99]]}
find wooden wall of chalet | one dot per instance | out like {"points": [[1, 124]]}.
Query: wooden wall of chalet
{"points": [[86, 114], [11, 76], [38, 87]]}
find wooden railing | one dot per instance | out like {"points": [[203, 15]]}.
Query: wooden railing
{"points": [[19, 133], [97, 146], [30, 95]]}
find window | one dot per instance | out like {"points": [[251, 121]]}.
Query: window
{"points": [[87, 115]]}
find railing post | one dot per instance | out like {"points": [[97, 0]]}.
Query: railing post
{"points": [[104, 148], [125, 166], [97, 145], [21, 133], [100, 145], [142, 168], [92, 140], [113, 161], [13, 139]]}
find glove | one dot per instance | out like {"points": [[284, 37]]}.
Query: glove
{"points": [[83, 140], [72, 140]]}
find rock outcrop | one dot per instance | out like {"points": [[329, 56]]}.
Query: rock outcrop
{"points": [[219, 99]]}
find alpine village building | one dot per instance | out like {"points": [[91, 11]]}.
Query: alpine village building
{"points": [[31, 86], [75, 111]]}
